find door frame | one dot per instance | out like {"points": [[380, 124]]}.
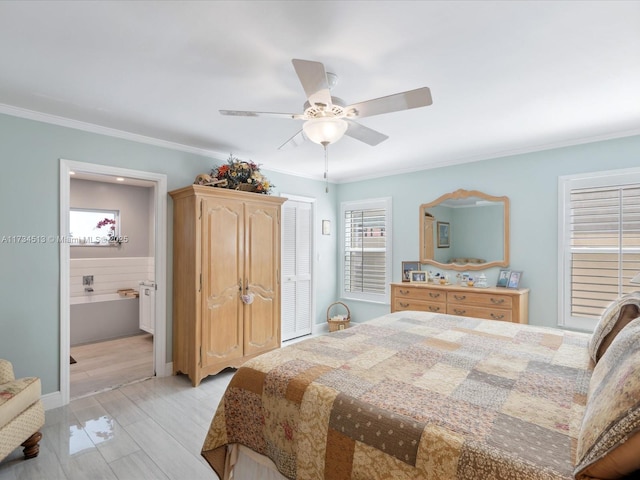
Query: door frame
{"points": [[160, 259]]}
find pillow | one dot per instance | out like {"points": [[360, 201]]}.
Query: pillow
{"points": [[609, 437], [613, 320]]}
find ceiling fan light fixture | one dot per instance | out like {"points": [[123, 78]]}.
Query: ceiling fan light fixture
{"points": [[324, 130]]}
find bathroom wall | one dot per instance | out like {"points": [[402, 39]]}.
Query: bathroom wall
{"points": [[109, 276], [102, 313], [135, 204], [97, 322]]}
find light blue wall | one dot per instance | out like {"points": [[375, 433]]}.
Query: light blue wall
{"points": [[29, 199], [134, 204], [29, 195], [477, 232], [531, 183]]}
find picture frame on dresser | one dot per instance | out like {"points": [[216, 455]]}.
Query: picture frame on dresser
{"points": [[514, 279], [408, 267], [418, 276], [443, 234], [503, 278]]}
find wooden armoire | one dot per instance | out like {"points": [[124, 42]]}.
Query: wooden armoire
{"points": [[226, 278]]}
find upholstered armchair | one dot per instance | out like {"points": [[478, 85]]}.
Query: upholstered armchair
{"points": [[21, 412]]}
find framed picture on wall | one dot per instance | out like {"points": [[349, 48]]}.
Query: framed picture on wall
{"points": [[417, 276], [503, 278], [443, 234], [514, 279], [407, 267]]}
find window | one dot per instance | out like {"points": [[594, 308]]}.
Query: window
{"points": [[93, 227], [366, 242], [599, 243]]}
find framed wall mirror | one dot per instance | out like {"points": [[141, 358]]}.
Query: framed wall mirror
{"points": [[465, 230]]}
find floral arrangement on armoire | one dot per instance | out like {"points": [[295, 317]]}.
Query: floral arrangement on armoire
{"points": [[236, 174]]}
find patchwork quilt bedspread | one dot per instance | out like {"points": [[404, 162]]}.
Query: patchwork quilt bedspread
{"points": [[412, 395]]}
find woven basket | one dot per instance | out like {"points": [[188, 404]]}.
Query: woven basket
{"points": [[340, 321]]}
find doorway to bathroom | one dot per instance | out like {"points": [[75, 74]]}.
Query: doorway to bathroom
{"points": [[113, 265]]}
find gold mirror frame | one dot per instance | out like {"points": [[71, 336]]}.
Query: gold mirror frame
{"points": [[427, 224]]}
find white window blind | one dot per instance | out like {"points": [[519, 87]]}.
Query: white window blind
{"points": [[367, 249], [602, 245]]}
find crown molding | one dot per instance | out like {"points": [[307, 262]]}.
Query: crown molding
{"points": [[112, 132], [498, 154], [101, 130]]}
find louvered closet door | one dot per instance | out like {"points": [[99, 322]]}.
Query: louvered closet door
{"points": [[296, 268]]}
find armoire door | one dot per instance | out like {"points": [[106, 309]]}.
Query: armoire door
{"points": [[297, 256], [223, 252], [262, 267]]}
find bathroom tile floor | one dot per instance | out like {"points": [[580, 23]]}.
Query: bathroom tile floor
{"points": [[152, 429], [105, 365]]}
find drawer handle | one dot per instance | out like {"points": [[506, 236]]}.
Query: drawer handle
{"points": [[497, 301], [459, 312], [404, 292], [434, 295], [497, 317], [434, 309], [404, 305], [461, 297]]}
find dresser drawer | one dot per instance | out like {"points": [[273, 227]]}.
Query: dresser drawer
{"points": [[421, 305], [479, 312], [482, 299], [419, 293], [502, 304]]}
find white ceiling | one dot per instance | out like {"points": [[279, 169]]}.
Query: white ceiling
{"points": [[506, 76]]}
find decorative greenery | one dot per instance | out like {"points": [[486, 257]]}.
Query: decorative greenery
{"points": [[241, 175]]}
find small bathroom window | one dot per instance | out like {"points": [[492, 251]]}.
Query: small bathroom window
{"points": [[92, 227]]}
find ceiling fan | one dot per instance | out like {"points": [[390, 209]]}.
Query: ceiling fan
{"points": [[328, 118]]}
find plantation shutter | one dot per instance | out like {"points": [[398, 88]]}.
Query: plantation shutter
{"points": [[366, 266], [604, 246]]}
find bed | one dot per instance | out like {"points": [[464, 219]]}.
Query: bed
{"points": [[420, 395]]}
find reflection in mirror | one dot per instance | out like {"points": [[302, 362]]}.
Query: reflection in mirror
{"points": [[465, 230]]}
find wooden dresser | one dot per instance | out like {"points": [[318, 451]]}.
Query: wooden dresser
{"points": [[508, 305]]}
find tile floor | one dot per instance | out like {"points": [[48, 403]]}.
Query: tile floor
{"points": [[104, 365], [152, 429]]}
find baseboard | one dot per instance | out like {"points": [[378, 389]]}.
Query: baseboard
{"points": [[52, 400], [320, 328]]}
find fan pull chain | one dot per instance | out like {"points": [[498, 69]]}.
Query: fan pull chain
{"points": [[326, 166]]}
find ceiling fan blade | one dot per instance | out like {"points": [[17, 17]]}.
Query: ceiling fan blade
{"points": [[242, 113], [298, 139], [313, 78], [364, 134], [420, 97]]}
